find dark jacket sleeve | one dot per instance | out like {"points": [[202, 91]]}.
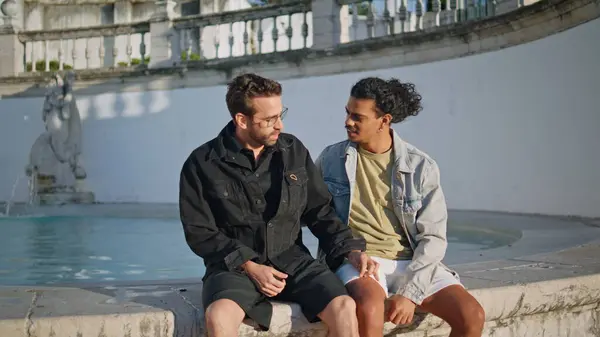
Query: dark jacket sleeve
{"points": [[201, 233], [335, 238]]}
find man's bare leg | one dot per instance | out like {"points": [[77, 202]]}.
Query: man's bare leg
{"points": [[459, 309], [223, 318], [340, 317], [370, 305]]}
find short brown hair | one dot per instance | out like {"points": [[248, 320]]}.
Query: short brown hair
{"points": [[245, 87]]}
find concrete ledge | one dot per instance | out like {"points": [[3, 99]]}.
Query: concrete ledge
{"points": [[526, 24], [552, 306]]}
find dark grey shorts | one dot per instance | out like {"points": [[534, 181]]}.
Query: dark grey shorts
{"points": [[312, 287]]}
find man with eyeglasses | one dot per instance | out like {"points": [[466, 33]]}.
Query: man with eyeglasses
{"points": [[244, 196]]}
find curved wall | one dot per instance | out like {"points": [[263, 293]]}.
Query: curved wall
{"points": [[512, 130]]}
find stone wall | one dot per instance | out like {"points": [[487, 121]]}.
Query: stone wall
{"points": [[504, 124]]}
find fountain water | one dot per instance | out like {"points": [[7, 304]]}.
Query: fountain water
{"points": [[12, 195], [32, 193]]}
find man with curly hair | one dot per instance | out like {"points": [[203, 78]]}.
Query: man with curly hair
{"points": [[388, 192]]}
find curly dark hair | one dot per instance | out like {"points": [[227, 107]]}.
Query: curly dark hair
{"points": [[243, 88], [393, 97]]}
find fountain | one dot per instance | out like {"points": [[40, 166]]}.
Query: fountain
{"points": [[12, 196], [55, 169]]}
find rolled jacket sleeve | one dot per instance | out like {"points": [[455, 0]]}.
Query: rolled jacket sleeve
{"points": [[201, 233], [431, 241]]}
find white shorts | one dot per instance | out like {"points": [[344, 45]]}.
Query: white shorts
{"points": [[392, 276]]}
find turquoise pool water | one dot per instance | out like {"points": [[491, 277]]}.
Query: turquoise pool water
{"points": [[68, 250]]}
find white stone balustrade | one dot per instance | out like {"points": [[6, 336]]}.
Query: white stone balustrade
{"points": [[238, 30]]}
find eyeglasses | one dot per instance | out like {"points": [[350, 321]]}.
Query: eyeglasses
{"points": [[268, 122]]}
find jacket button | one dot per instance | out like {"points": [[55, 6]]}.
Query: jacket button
{"points": [[270, 224]]}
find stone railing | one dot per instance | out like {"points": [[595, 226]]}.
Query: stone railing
{"points": [[169, 40], [246, 32], [368, 19], [88, 47]]}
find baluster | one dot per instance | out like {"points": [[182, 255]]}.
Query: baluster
{"points": [[32, 44], [436, 8], [260, 36], [490, 6], [181, 42], [74, 53], [275, 34], [46, 56], [289, 32], [402, 16], [115, 53], [188, 42], [419, 15], [370, 20], [87, 54], [129, 50], [387, 21], [355, 21], [101, 51], [246, 37], [200, 40], [305, 28], [483, 8], [451, 8], [143, 48], [61, 57], [230, 39], [472, 9], [217, 40]]}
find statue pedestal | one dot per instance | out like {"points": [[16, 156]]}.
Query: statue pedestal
{"points": [[61, 198], [50, 194]]}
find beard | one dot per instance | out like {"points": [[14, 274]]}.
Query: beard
{"points": [[264, 139]]}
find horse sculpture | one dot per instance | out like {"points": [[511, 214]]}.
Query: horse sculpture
{"points": [[55, 158]]}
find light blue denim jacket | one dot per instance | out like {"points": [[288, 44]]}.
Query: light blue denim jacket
{"points": [[418, 202]]}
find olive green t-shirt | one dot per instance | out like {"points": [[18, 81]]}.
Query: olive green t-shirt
{"points": [[372, 212]]}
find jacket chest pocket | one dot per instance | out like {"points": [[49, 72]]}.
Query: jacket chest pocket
{"points": [[409, 208], [226, 195], [296, 180]]}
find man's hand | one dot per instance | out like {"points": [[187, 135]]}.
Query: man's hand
{"points": [[269, 280], [364, 264], [399, 310]]}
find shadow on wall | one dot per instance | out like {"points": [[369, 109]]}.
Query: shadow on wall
{"points": [[134, 143]]}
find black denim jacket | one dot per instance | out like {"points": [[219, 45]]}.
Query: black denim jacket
{"points": [[224, 226]]}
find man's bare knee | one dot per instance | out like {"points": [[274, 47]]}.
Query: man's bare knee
{"points": [[474, 320], [339, 306], [224, 313]]}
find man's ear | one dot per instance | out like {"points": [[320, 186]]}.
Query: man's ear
{"points": [[387, 119], [241, 120]]}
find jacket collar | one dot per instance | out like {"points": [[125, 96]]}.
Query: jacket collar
{"points": [[400, 152]]}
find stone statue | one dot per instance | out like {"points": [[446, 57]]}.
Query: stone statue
{"points": [[55, 158]]}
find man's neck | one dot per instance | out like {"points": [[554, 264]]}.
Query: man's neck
{"points": [[379, 144], [247, 143]]}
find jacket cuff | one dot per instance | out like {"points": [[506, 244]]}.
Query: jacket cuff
{"points": [[238, 257], [411, 292], [335, 259]]}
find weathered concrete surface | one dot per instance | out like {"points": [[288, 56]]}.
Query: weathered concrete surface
{"points": [[555, 304], [526, 24]]}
